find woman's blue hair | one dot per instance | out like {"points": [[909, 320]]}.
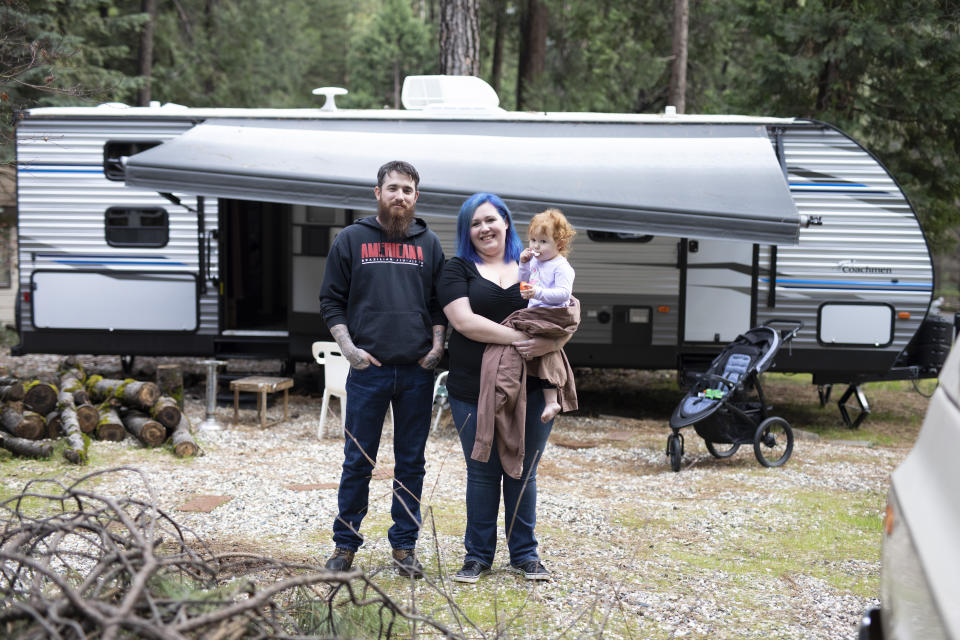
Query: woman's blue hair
{"points": [[512, 244]]}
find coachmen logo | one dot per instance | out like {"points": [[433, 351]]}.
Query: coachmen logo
{"points": [[851, 266]]}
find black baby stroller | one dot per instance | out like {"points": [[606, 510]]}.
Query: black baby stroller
{"points": [[726, 405]]}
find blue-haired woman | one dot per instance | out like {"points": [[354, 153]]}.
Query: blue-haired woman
{"points": [[478, 289]]}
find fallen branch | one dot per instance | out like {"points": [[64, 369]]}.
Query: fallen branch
{"points": [[123, 555]]}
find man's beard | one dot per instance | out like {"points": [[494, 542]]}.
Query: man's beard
{"points": [[395, 223]]}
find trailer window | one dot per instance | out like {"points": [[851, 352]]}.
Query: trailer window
{"points": [[115, 152], [136, 227], [615, 236]]}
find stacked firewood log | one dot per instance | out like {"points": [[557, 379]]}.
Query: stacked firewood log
{"points": [[74, 408]]}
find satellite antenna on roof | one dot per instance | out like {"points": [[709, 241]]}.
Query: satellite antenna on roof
{"points": [[448, 93], [330, 93]]}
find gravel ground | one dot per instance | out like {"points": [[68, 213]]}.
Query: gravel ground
{"points": [[632, 545]]}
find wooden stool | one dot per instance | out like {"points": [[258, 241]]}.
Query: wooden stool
{"points": [[262, 385]]}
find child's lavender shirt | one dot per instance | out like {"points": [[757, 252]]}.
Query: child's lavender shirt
{"points": [[552, 281]]}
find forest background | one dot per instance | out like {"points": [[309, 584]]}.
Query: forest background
{"points": [[887, 72]]}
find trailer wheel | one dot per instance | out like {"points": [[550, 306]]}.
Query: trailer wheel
{"points": [[773, 442], [675, 450], [722, 450]]}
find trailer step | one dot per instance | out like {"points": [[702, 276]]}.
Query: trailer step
{"points": [[252, 347]]}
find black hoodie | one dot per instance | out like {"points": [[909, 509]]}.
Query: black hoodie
{"points": [[385, 292]]}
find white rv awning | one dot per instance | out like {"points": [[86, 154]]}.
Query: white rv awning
{"points": [[685, 180]]}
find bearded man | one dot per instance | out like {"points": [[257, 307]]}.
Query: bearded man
{"points": [[379, 300]]}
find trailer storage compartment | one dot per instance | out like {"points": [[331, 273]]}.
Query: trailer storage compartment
{"points": [[116, 301]]}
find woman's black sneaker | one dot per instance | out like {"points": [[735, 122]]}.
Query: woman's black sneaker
{"points": [[531, 570], [470, 572]]}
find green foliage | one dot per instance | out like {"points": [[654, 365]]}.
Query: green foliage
{"points": [[257, 53], [383, 51], [54, 52], [887, 72], [605, 56]]}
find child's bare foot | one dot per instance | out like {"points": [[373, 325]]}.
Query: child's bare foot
{"points": [[550, 412]]}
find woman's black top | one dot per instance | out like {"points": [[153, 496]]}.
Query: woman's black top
{"points": [[461, 279]]}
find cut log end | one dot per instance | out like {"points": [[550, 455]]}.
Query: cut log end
{"points": [[111, 432], [166, 412], [185, 449], [87, 417], [41, 397]]}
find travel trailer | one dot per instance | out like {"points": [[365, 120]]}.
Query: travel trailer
{"points": [[167, 230]]}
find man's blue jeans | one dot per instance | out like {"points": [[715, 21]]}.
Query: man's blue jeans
{"points": [[484, 482], [369, 392]]}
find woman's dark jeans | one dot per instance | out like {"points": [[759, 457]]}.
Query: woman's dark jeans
{"points": [[484, 482], [369, 393]]}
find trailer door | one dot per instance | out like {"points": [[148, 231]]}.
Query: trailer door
{"points": [[717, 295]]}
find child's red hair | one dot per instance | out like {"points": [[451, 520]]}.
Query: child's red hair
{"points": [[554, 224]]}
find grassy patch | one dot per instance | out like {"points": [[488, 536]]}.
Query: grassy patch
{"points": [[837, 536]]}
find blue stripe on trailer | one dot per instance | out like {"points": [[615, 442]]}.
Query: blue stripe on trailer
{"points": [[850, 284], [138, 262], [827, 184], [31, 170]]}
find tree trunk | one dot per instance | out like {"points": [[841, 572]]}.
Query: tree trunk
{"points": [[183, 443], [11, 392], [27, 448], [533, 48], [80, 396], [70, 366], [70, 379], [75, 450], [170, 382], [17, 421], [54, 425], [137, 395], [110, 427], [496, 68], [40, 397], [87, 414], [678, 69], [166, 412], [396, 84], [146, 429], [459, 38], [210, 9], [148, 7]]}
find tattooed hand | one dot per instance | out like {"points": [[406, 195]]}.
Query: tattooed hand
{"points": [[358, 358], [432, 359]]}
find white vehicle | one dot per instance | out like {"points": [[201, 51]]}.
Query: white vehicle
{"points": [[170, 230], [920, 576]]}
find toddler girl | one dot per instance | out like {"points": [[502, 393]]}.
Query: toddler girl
{"points": [[546, 277]]}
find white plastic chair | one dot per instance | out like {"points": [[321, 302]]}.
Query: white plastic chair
{"points": [[439, 397], [335, 370]]}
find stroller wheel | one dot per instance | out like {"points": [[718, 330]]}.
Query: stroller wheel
{"points": [[773, 442], [721, 450], [675, 450]]}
